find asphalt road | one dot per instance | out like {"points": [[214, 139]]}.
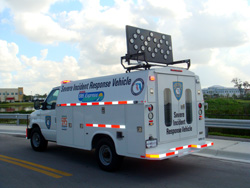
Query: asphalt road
{"points": [[59, 166]]}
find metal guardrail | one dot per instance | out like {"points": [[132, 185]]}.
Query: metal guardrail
{"points": [[17, 117], [227, 123]]}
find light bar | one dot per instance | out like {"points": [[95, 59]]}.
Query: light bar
{"points": [[65, 81]]}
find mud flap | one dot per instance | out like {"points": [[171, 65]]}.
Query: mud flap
{"points": [[28, 133]]}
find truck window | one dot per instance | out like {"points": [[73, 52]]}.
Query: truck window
{"points": [[168, 107], [189, 113], [51, 100]]}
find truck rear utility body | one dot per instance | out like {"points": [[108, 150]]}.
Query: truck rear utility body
{"points": [[149, 114]]}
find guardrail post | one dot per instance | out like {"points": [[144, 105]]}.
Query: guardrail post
{"points": [[206, 132], [17, 119], [27, 120]]}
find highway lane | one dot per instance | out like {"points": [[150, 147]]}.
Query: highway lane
{"points": [[189, 171]]}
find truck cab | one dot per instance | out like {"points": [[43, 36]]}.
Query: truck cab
{"points": [[43, 121]]}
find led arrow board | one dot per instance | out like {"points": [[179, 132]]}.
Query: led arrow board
{"points": [[157, 47]]}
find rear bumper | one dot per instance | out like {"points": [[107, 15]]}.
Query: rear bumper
{"points": [[178, 151]]}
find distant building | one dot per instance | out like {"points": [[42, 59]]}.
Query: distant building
{"points": [[41, 99], [11, 94], [221, 91]]}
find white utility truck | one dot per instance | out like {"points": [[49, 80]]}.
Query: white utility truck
{"points": [[150, 114]]}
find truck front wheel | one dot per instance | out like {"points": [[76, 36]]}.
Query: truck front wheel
{"points": [[37, 140], [106, 155]]}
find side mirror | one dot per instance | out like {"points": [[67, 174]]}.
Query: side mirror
{"points": [[37, 105], [53, 105]]}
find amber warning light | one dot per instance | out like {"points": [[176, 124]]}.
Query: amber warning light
{"points": [[152, 78], [65, 81]]}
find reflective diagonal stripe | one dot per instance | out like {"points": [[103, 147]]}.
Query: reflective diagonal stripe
{"points": [[192, 146], [182, 147], [159, 156], [100, 103], [106, 126]]}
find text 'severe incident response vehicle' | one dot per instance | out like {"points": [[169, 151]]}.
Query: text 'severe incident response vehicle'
{"points": [[144, 113]]}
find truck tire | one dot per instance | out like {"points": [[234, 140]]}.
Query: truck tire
{"points": [[106, 155], [37, 140]]}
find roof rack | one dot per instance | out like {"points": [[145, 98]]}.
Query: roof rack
{"points": [[147, 49]]}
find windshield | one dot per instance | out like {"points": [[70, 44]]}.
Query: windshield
{"points": [[51, 99]]}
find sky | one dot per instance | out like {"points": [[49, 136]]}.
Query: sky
{"points": [[45, 42]]}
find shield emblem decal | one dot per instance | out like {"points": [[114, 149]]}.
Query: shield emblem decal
{"points": [[178, 88], [48, 121]]}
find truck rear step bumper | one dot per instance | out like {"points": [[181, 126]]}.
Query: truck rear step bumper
{"points": [[178, 151]]}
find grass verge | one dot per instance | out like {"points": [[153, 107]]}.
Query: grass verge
{"points": [[24, 104], [227, 135], [239, 133]]}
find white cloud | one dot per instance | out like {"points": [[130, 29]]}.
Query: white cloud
{"points": [[41, 28], [217, 24], [213, 34], [44, 54], [226, 8], [206, 31], [223, 66], [6, 79], [165, 9], [8, 57], [29, 5], [2, 5], [37, 75], [32, 19], [41, 75]]}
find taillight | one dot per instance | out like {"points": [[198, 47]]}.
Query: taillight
{"points": [[150, 115], [176, 70], [200, 111], [150, 108]]}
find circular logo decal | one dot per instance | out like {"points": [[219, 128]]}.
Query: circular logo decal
{"points": [[178, 91], [137, 86]]}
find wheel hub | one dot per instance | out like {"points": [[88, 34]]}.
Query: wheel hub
{"points": [[105, 155]]}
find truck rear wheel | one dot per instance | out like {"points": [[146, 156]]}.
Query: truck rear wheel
{"points": [[37, 140], [106, 155]]}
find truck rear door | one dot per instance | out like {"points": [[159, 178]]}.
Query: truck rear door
{"points": [[176, 99]]}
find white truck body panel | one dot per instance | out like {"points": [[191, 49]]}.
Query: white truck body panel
{"points": [[117, 106]]}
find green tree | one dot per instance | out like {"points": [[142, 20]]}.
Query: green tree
{"points": [[246, 86], [238, 83], [242, 86]]}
